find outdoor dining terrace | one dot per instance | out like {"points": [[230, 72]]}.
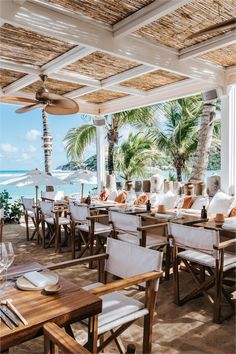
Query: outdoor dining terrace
{"points": [[147, 267]]}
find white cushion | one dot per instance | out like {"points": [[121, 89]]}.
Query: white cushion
{"points": [[61, 221], [191, 212], [113, 195], [98, 228], [208, 260], [199, 202], [221, 203], [169, 200]]}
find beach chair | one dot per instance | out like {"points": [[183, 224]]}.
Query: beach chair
{"points": [[29, 213], [207, 261]]}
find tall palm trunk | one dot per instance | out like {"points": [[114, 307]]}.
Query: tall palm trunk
{"points": [[179, 164], [47, 144], [112, 139], [200, 161]]}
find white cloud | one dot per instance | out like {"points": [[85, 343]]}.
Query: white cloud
{"points": [[6, 147], [31, 149], [32, 135]]}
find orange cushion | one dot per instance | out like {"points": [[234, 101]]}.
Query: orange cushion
{"points": [[233, 212], [188, 202], [142, 199], [104, 195], [121, 198]]}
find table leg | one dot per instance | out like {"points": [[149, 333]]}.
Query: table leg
{"points": [[93, 334]]}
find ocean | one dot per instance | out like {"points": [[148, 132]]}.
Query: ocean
{"points": [[29, 191]]}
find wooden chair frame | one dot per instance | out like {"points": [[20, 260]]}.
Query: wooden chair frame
{"points": [[26, 216], [150, 299], [215, 278]]}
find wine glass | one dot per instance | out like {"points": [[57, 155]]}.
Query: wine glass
{"points": [[10, 259], [3, 260]]}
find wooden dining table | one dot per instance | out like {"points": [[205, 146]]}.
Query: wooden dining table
{"points": [[69, 305]]}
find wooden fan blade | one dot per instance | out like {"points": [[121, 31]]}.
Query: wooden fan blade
{"points": [[50, 96], [28, 108], [17, 99], [63, 106], [229, 24]]}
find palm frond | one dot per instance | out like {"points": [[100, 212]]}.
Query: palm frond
{"points": [[77, 139]]}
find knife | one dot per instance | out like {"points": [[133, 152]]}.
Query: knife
{"points": [[6, 320], [10, 315], [16, 312]]}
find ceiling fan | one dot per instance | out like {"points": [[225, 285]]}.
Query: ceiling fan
{"points": [[51, 102], [222, 26]]}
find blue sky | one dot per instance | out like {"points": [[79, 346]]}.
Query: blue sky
{"points": [[20, 138]]}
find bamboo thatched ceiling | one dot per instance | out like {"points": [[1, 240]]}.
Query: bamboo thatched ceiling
{"points": [[7, 77], [26, 47], [102, 96], [55, 86], [153, 80], [225, 56], [104, 11], [172, 30], [100, 66]]}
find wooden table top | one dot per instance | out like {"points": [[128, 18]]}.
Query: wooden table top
{"points": [[184, 220], [210, 224], [69, 305]]}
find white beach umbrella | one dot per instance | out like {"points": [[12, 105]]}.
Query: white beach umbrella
{"points": [[83, 177]]}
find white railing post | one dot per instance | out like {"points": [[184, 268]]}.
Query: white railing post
{"points": [[228, 141]]}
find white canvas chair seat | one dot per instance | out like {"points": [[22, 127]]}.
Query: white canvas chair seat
{"points": [[98, 228], [207, 260], [61, 221], [31, 214], [117, 309], [151, 241]]}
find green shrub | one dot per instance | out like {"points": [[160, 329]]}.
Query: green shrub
{"points": [[12, 211]]}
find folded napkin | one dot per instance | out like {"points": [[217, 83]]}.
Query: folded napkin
{"points": [[37, 279]]}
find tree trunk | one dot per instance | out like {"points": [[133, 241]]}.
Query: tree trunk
{"points": [[179, 173], [200, 160], [112, 139], [47, 144]]}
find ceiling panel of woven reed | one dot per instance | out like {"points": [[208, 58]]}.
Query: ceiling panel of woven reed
{"points": [[225, 57], [7, 77], [172, 30], [26, 47], [103, 11], [55, 86], [101, 96], [100, 66], [153, 80]]}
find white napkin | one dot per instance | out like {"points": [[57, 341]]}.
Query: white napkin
{"points": [[37, 279], [230, 224]]}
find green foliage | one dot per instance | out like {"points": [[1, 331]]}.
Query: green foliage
{"points": [[214, 162], [134, 155], [12, 211]]}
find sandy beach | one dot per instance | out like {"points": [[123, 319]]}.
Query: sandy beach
{"points": [[187, 329]]}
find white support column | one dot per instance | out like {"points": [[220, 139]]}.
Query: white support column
{"points": [[228, 142], [100, 149]]}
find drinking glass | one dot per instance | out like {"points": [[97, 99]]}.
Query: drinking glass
{"points": [[3, 261], [10, 259], [179, 207]]}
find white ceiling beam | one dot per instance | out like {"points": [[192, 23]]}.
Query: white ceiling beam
{"points": [[127, 90], [14, 66], [146, 15], [64, 27], [230, 75], [127, 75], [80, 92], [65, 76], [208, 45], [170, 92], [66, 59], [20, 84]]}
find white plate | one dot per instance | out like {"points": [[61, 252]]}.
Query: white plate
{"points": [[24, 284], [165, 216]]}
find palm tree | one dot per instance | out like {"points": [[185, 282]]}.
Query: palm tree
{"points": [[205, 136], [176, 131], [134, 155], [78, 138]]}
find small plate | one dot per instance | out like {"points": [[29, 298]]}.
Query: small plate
{"points": [[24, 284], [52, 289]]}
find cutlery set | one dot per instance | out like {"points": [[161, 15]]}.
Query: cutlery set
{"points": [[10, 315]]}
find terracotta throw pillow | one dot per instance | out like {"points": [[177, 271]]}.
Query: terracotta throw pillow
{"points": [[104, 195], [188, 202], [142, 199], [121, 198], [233, 212]]}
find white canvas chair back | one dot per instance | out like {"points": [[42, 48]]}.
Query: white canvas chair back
{"points": [[127, 259], [125, 223], [46, 208], [194, 238], [28, 203], [53, 195], [79, 212]]}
